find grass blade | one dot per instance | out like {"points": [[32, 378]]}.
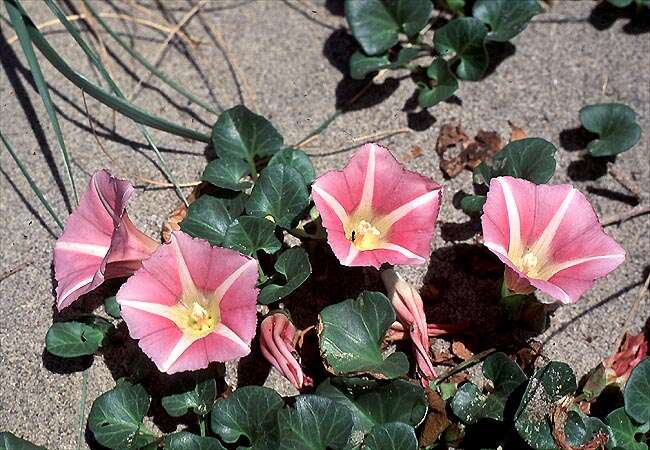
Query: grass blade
{"points": [[31, 182], [97, 62], [35, 68], [152, 68], [120, 105]]}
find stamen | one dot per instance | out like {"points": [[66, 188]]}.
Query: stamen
{"points": [[365, 236]]}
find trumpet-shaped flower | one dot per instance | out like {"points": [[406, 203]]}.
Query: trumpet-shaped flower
{"points": [[191, 304], [375, 211], [276, 343], [548, 237], [99, 240]]}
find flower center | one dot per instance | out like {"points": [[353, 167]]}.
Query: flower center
{"points": [[197, 314], [529, 264], [364, 235]]}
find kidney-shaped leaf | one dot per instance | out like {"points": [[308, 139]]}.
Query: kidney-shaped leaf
{"points": [[293, 264], [505, 18], [376, 24], [444, 84], [200, 399], [73, 339], [280, 193], [532, 159], [208, 218], [188, 441], [249, 234], [351, 334], [228, 173], [298, 160], [314, 423], [637, 392], [391, 436], [464, 37], [615, 125], [625, 431], [116, 417], [10, 441], [241, 133], [250, 411]]}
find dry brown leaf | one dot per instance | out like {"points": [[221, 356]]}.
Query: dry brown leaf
{"points": [[516, 133], [527, 356], [559, 420], [415, 152], [459, 349], [469, 152], [436, 420], [458, 378], [443, 357]]}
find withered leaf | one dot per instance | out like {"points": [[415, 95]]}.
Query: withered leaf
{"points": [[469, 153], [459, 349], [436, 421]]}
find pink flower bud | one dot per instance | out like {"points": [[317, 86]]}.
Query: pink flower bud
{"points": [[618, 367], [276, 342]]}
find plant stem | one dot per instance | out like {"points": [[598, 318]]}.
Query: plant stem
{"points": [[202, 425]]}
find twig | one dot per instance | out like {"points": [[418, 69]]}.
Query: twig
{"points": [[161, 184], [624, 181], [638, 210], [13, 271], [632, 313], [366, 138]]}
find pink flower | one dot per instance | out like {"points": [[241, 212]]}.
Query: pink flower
{"points": [[548, 237], [375, 211], [633, 350], [99, 240], [410, 313], [191, 304], [276, 343]]}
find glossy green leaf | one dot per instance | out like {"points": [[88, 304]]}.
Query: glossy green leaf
{"points": [[314, 423], [376, 24], [471, 405], [208, 218], [9, 441], [293, 264], [250, 411], [596, 382], [199, 399], [391, 436], [35, 70], [505, 18], [280, 193], [397, 401], [111, 307], [455, 6], [548, 385], [362, 64], [473, 204], [352, 334], [188, 441], [580, 428], [624, 431], [637, 392], [249, 235], [240, 133], [298, 160], [443, 84], [73, 339], [228, 173], [616, 126], [532, 159], [620, 3], [116, 417], [465, 38]]}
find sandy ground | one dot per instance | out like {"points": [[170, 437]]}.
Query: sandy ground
{"points": [[292, 56]]}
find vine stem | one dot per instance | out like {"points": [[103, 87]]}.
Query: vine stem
{"points": [[202, 425]]}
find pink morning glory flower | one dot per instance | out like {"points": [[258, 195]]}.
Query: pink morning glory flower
{"points": [[277, 335], [375, 211], [191, 304], [99, 240], [549, 238]]}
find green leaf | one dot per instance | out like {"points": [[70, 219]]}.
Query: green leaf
{"points": [[314, 423], [361, 64], [444, 84], [200, 400], [251, 411], [391, 436], [111, 307], [596, 382], [296, 159], [616, 126], [464, 37], [532, 159], [249, 235], [637, 392], [116, 417], [73, 339], [228, 173], [625, 431], [294, 266], [620, 3], [188, 441], [209, 217], [548, 385], [376, 24], [456, 6], [397, 401], [352, 334], [240, 133], [471, 405], [35, 70], [580, 429], [280, 192], [9, 441], [473, 204], [505, 18]]}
